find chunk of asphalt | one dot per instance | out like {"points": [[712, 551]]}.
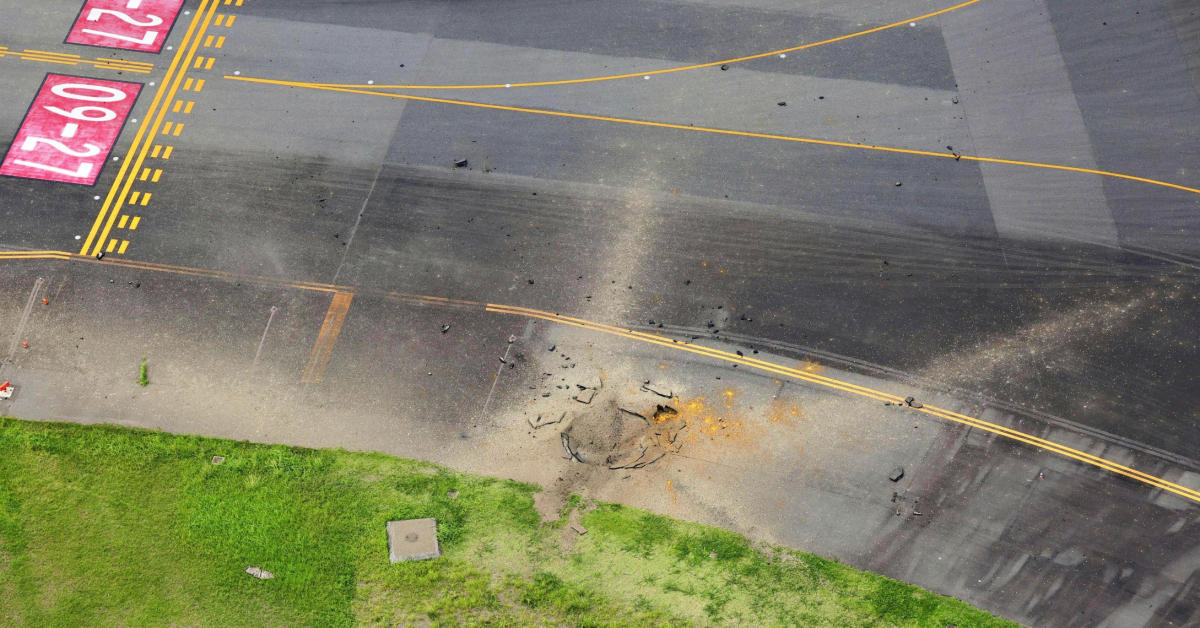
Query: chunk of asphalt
{"points": [[261, 574], [586, 396], [897, 473], [658, 390], [724, 67], [460, 163], [445, 328]]}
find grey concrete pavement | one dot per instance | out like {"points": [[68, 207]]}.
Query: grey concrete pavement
{"points": [[1062, 304]]}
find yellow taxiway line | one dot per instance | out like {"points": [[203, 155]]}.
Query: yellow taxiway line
{"points": [[702, 129], [613, 77], [343, 295]]}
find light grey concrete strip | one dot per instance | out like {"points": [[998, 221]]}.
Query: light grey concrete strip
{"points": [[286, 121], [1019, 104], [841, 110]]}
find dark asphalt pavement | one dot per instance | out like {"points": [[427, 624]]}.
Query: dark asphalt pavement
{"points": [[1066, 300]]}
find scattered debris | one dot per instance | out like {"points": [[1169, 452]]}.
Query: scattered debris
{"points": [[724, 66], [543, 421], [7, 390], [460, 163], [898, 184], [512, 339], [782, 104], [586, 396], [261, 574], [912, 403], [218, 459], [445, 328], [552, 348], [570, 453], [897, 473], [594, 384], [633, 413], [580, 530], [45, 301], [954, 99], [452, 494], [658, 390]]}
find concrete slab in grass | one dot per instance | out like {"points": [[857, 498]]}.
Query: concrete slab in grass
{"points": [[413, 539]]}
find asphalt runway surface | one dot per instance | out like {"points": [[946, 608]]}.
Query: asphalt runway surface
{"points": [[997, 205]]}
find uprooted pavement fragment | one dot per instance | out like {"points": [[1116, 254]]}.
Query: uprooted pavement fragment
{"points": [[658, 390]]}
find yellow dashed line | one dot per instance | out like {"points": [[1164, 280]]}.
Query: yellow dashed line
{"points": [[199, 60], [199, 84], [112, 244], [145, 199], [187, 85], [133, 197], [219, 20], [178, 106], [133, 225], [209, 41], [178, 129], [124, 245], [157, 174], [167, 153], [238, 3], [156, 151], [167, 127], [211, 60], [188, 108], [145, 174], [124, 221], [229, 24], [220, 42]]}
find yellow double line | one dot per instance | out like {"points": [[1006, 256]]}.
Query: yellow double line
{"points": [[861, 391], [762, 365], [73, 60], [148, 130]]}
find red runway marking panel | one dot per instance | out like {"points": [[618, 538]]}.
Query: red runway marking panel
{"points": [[140, 25], [70, 129]]}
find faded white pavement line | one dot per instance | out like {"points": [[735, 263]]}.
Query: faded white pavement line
{"points": [[1018, 102], [16, 339]]}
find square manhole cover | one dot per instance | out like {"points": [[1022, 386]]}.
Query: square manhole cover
{"points": [[413, 539]]}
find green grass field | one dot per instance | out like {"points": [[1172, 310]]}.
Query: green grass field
{"points": [[107, 526]]}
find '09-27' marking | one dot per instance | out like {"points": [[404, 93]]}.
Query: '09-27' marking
{"points": [[70, 129]]}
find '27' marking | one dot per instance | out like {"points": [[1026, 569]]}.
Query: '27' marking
{"points": [[141, 25]]}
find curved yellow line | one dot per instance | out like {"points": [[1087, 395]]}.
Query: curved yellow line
{"points": [[863, 391], [666, 71], [702, 129]]}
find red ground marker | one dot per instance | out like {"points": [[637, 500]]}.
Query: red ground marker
{"points": [[141, 25], [70, 129]]}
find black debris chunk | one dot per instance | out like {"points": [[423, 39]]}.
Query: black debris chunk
{"points": [[552, 348], [897, 473], [460, 163], [898, 184], [724, 66], [782, 104], [445, 328]]}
